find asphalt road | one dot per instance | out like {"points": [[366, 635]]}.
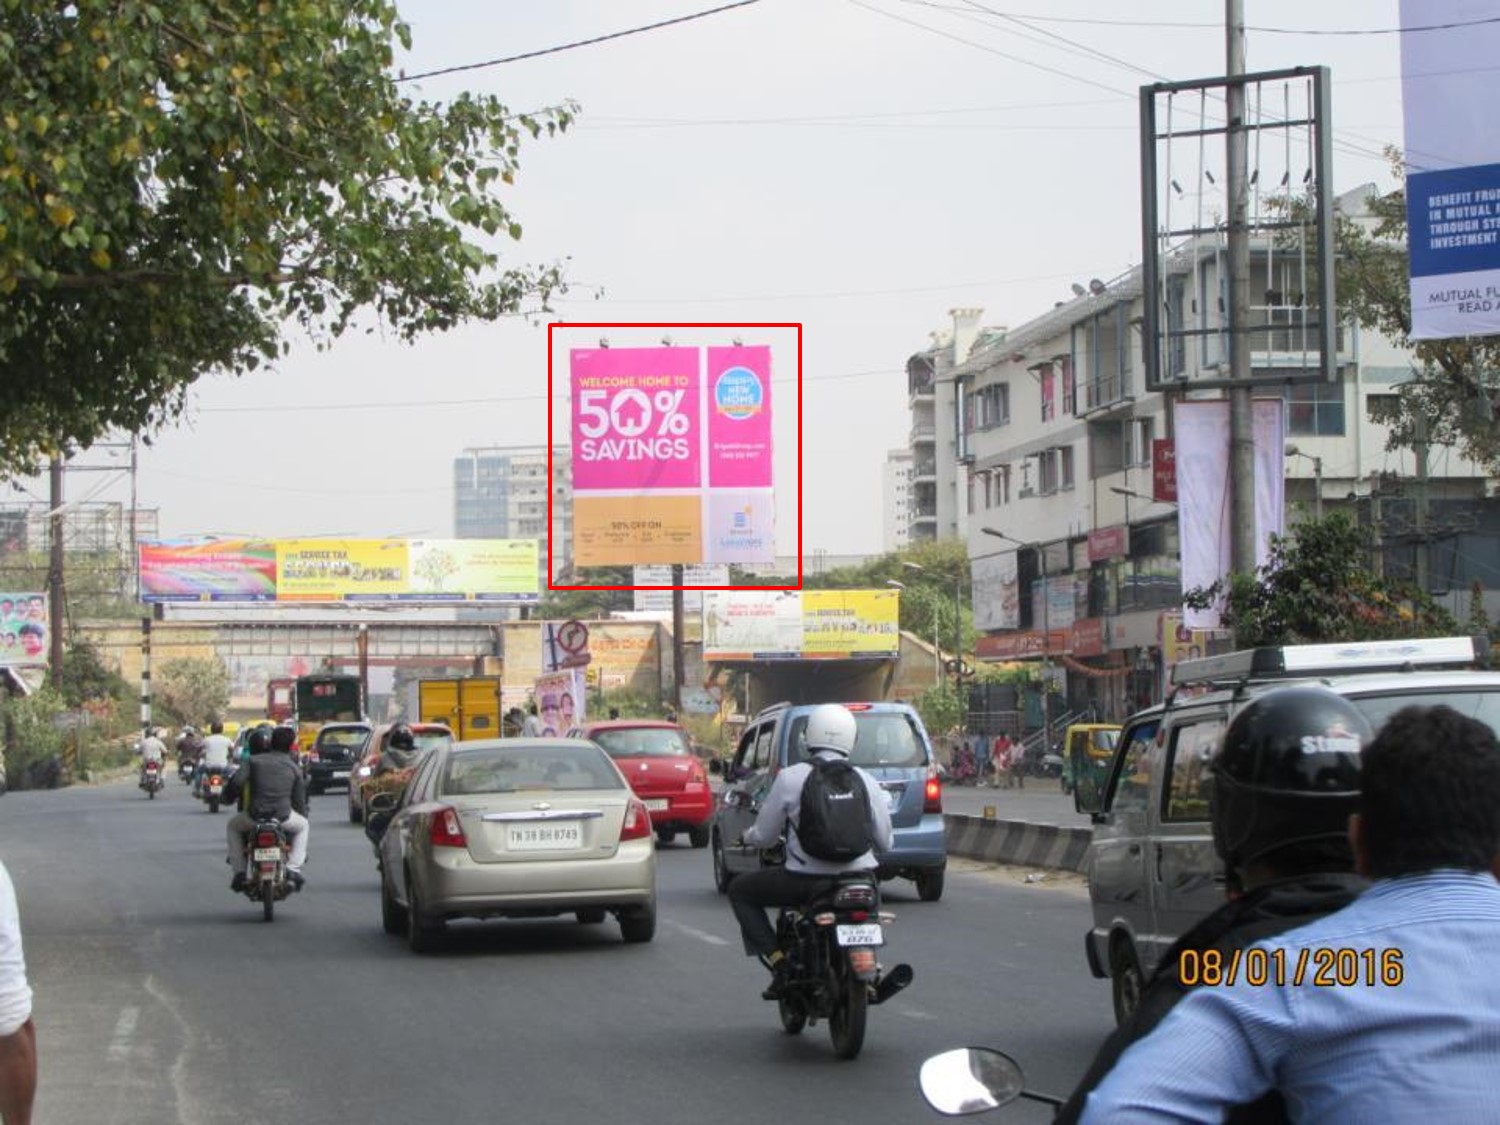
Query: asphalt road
{"points": [[162, 998]]}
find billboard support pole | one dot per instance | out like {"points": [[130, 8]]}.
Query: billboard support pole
{"points": [[363, 639], [55, 571], [145, 674], [677, 649]]}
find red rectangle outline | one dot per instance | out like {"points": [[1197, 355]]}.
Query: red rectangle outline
{"points": [[683, 324]]}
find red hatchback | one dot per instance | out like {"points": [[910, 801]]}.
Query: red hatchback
{"points": [[658, 761]]}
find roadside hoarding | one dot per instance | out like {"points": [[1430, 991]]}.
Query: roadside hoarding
{"points": [[660, 601], [813, 624], [25, 635], [339, 570]]}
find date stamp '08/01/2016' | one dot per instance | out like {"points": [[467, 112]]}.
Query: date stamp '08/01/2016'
{"points": [[1319, 966]]}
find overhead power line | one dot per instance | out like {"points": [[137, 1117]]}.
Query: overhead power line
{"points": [[1096, 22], [578, 43]]}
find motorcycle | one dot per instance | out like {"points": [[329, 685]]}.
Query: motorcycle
{"points": [[972, 1080], [266, 880], [185, 768], [211, 786], [151, 780], [832, 972]]}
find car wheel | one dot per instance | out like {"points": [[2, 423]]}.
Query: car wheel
{"points": [[421, 935], [392, 913], [722, 876], [638, 923], [590, 917], [1125, 980], [666, 835], [930, 883]]}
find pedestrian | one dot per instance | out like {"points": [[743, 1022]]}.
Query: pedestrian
{"points": [[979, 746], [1386, 1010], [17, 1032], [1001, 758], [531, 727], [1018, 765]]}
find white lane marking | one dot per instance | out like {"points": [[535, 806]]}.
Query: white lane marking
{"points": [[701, 935], [119, 1045]]}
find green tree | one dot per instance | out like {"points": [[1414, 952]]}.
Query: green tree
{"points": [[180, 182], [1478, 624], [86, 678], [1316, 586], [192, 689], [942, 708]]}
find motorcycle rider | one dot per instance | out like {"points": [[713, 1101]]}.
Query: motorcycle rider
{"points": [[830, 733], [400, 750], [268, 784], [1406, 1030], [215, 755], [152, 749], [1280, 824]]}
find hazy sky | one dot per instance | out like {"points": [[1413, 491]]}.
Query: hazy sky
{"points": [[859, 166]]}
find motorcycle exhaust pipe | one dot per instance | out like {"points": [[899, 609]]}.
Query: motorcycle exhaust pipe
{"points": [[893, 982]]}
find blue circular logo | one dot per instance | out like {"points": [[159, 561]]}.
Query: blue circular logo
{"points": [[738, 393]]}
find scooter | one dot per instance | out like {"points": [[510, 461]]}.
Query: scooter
{"points": [[266, 879], [972, 1080], [151, 780], [830, 946]]}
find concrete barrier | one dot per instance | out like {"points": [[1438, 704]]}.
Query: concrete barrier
{"points": [[1018, 841]]}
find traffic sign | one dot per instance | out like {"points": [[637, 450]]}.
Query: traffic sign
{"points": [[574, 637]]}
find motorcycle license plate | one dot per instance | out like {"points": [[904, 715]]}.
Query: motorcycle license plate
{"points": [[215, 788], [866, 934], [271, 855]]}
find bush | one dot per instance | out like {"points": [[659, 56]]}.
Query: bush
{"points": [[32, 735]]}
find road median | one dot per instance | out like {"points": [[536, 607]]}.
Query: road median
{"points": [[1018, 841]]}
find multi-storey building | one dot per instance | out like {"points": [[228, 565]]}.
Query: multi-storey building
{"points": [[895, 496], [1074, 557], [500, 492]]}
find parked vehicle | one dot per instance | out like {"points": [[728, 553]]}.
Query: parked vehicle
{"points": [[891, 744], [363, 783], [833, 971], [330, 760], [1153, 871], [266, 880], [658, 760], [151, 779], [514, 828]]}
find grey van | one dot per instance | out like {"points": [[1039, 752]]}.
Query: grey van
{"points": [[890, 743], [1152, 869]]}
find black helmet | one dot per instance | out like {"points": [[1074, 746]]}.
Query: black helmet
{"points": [[283, 739], [401, 738], [258, 741], [1288, 772]]}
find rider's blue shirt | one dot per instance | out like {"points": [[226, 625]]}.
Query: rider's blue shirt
{"points": [[1420, 1043]]}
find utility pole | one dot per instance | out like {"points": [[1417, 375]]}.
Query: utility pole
{"points": [[1241, 427], [1420, 499], [677, 651], [55, 590]]}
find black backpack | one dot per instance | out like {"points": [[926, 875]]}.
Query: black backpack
{"points": [[833, 823]]}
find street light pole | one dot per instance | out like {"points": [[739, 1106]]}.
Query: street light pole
{"points": [[1293, 451]]}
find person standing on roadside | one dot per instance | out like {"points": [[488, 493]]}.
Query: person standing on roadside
{"points": [[17, 1032]]}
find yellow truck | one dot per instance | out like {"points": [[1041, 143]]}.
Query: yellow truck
{"points": [[469, 707]]}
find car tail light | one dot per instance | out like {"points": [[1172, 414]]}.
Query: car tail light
{"points": [[932, 796], [447, 830], [637, 824]]}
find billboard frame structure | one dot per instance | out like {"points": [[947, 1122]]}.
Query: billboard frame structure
{"points": [[1159, 246]]}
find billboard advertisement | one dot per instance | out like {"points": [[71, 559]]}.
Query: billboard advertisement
{"points": [[660, 601], [1452, 167], [788, 625], [339, 570], [671, 455], [24, 633], [560, 699]]}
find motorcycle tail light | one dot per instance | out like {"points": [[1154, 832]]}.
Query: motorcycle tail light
{"points": [[932, 795], [859, 915], [265, 839], [853, 895], [447, 830]]}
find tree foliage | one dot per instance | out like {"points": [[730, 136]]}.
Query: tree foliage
{"points": [[191, 689], [1316, 586], [86, 679], [179, 181]]}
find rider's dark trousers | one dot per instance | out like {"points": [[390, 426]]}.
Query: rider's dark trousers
{"points": [[752, 892]]}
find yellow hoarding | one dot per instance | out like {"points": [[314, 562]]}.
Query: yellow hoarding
{"points": [[323, 570], [619, 530], [851, 622], [811, 624], [471, 567]]}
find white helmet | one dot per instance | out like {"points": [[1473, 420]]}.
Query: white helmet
{"points": [[830, 727]]}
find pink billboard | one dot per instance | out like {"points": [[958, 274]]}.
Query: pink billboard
{"points": [[739, 417], [636, 418]]}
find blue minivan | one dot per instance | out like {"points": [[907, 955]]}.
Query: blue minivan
{"points": [[890, 744]]}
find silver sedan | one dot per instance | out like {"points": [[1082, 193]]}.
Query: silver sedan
{"points": [[516, 828]]}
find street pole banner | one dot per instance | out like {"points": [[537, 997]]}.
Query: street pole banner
{"points": [[25, 635], [1452, 166]]}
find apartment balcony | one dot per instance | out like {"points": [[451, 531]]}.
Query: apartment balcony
{"points": [[924, 472]]}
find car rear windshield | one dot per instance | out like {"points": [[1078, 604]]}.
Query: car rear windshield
{"points": [[882, 738], [352, 737], [1480, 703], [430, 739], [643, 742], [509, 770]]}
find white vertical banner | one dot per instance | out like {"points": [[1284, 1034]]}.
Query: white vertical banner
{"points": [[1202, 435], [1268, 419], [1452, 166], [1203, 497], [992, 580]]}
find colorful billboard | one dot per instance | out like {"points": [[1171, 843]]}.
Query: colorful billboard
{"points": [[1452, 167], [339, 570], [24, 629], [671, 455], [788, 625]]}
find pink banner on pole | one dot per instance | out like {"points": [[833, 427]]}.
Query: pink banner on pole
{"points": [[636, 418], [739, 417]]}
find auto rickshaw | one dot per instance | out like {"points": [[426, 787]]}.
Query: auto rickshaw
{"points": [[1086, 752]]}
